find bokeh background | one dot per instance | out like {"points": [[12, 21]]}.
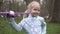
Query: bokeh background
{"points": [[50, 10]]}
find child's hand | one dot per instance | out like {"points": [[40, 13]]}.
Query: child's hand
{"points": [[11, 14]]}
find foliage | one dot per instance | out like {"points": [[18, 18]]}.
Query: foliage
{"points": [[16, 7]]}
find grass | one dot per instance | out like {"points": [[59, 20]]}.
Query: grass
{"points": [[53, 28]]}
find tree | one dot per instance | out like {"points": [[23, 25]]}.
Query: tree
{"points": [[55, 13], [53, 8]]}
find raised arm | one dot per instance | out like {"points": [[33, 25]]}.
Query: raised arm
{"points": [[12, 22], [16, 26]]}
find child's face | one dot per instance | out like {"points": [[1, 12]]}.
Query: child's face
{"points": [[35, 11]]}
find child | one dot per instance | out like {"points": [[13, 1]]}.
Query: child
{"points": [[33, 24]]}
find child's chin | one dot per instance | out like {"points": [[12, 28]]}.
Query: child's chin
{"points": [[34, 15]]}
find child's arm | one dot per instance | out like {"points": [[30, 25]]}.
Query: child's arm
{"points": [[43, 26], [10, 17], [18, 27]]}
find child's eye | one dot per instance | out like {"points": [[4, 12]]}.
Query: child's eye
{"points": [[35, 9]]}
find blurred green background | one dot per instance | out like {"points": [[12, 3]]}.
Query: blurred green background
{"points": [[5, 28]]}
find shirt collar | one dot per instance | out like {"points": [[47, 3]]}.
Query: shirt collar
{"points": [[30, 16]]}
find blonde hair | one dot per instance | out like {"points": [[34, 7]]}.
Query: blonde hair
{"points": [[30, 6]]}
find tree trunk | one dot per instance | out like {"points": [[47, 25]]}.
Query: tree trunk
{"points": [[55, 15]]}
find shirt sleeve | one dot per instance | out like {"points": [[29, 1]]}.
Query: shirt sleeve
{"points": [[43, 26], [16, 26]]}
